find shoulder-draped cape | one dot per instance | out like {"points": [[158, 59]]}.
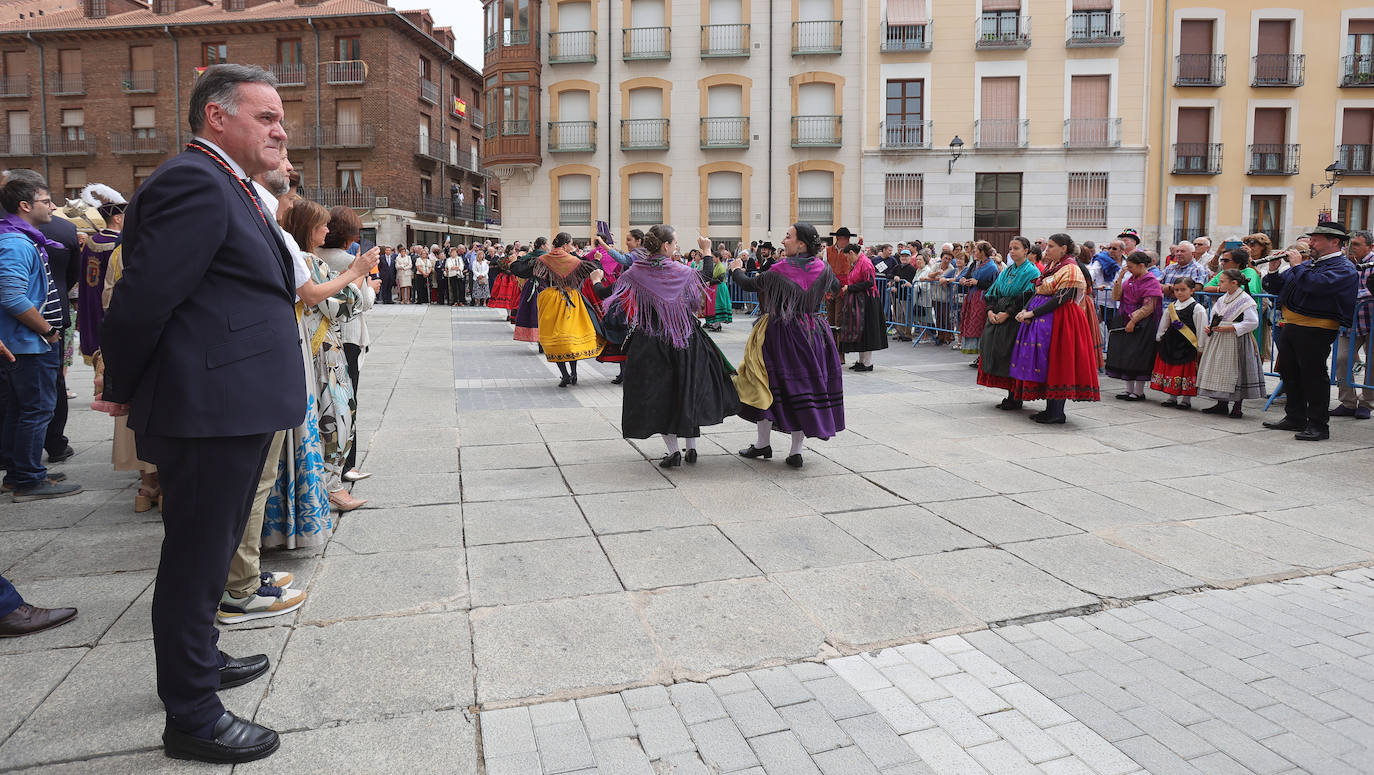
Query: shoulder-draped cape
{"points": [[659, 297]]}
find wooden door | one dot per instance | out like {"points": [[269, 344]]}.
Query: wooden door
{"points": [[997, 208]]}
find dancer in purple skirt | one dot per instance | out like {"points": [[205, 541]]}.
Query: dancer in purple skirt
{"points": [[790, 378]]}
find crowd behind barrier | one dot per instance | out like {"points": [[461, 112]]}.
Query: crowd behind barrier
{"points": [[928, 310]]}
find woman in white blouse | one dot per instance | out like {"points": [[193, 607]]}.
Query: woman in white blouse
{"points": [[481, 287], [405, 273]]}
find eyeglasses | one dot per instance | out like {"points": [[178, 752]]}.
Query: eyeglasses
{"points": [[1227, 261]]}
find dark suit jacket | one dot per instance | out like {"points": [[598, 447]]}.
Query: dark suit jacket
{"points": [[201, 333], [64, 263]]}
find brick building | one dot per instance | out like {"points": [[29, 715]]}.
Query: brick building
{"points": [[381, 113]]}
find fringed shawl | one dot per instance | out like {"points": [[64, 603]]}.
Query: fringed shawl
{"points": [[1015, 280], [659, 297], [562, 270], [795, 287], [862, 272]]}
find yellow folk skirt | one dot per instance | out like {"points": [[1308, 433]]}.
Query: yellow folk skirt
{"points": [[565, 327]]}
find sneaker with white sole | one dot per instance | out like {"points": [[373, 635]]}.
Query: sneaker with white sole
{"points": [[277, 579], [266, 602]]}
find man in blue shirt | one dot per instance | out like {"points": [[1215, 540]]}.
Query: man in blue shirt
{"points": [[30, 327]]}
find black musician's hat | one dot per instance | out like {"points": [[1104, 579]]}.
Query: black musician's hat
{"points": [[1330, 229], [843, 231]]}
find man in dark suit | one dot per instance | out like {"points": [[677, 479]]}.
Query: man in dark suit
{"points": [[386, 270], [201, 347]]}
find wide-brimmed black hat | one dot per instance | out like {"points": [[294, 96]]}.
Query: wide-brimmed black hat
{"points": [[1330, 229], [767, 246], [843, 231]]}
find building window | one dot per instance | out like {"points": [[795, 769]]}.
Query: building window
{"points": [[1353, 212], [142, 173], [904, 127], [1266, 214], [1087, 200], [289, 52], [1190, 217], [903, 199], [215, 54], [74, 125], [144, 123], [96, 9], [348, 48], [350, 175], [73, 180]]}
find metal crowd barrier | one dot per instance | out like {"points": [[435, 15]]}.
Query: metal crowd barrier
{"points": [[923, 308]]}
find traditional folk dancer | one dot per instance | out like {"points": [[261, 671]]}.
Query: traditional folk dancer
{"points": [[1055, 356], [1182, 337], [1131, 342], [863, 328], [790, 377], [1230, 370], [567, 332], [1006, 297], [527, 312], [676, 380]]}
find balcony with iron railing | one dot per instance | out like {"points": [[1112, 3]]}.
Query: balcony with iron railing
{"points": [[906, 37], [429, 204], [822, 36], [1357, 70], [21, 145], [816, 209], [346, 135], [351, 71], [1278, 69], [575, 212], [61, 145], [644, 134], [572, 136], [724, 132], [646, 43], [429, 91], [69, 83], [724, 40], [133, 143], [905, 135], [1356, 158], [572, 47], [1197, 158], [1092, 133], [288, 74], [815, 131], [1200, 70], [299, 137], [1095, 29], [646, 211], [519, 127], [1273, 159], [431, 148], [14, 86], [1188, 233], [475, 116], [1001, 133], [138, 81], [357, 197], [997, 31], [725, 211], [507, 38]]}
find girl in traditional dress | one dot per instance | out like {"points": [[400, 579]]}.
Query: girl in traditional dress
{"points": [[1054, 357], [720, 288], [862, 326], [1004, 298], [1230, 370], [567, 333], [1131, 342], [1181, 337], [676, 380], [505, 291], [615, 322], [527, 312], [973, 313], [790, 377]]}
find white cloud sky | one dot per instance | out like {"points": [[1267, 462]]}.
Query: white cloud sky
{"points": [[464, 16]]}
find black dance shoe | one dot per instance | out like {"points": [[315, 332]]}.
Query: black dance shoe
{"points": [[1313, 433], [753, 451], [238, 671], [1285, 425], [574, 380], [671, 461], [795, 460], [564, 382], [1009, 404], [235, 740], [1219, 407], [1045, 418], [1236, 413], [691, 456], [619, 378]]}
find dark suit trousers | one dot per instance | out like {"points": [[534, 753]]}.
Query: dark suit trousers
{"points": [[353, 354], [56, 439], [208, 486], [388, 280], [1303, 354]]}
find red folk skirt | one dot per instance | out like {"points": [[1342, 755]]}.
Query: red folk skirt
{"points": [[1073, 361], [505, 293], [1174, 379]]}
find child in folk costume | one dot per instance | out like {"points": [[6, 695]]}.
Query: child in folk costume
{"points": [[1230, 370], [1181, 337]]}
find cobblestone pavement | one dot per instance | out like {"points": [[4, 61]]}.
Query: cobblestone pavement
{"points": [[1142, 589]]}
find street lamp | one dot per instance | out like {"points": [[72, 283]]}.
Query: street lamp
{"points": [[1334, 173], [956, 150]]}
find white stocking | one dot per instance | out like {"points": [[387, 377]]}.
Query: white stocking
{"points": [[866, 358], [691, 442], [765, 428], [670, 441], [798, 439]]}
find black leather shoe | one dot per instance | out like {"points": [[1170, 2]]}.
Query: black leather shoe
{"points": [[28, 619], [1220, 407], [690, 457], [1045, 418], [61, 455], [671, 461], [1285, 425], [1009, 404], [753, 451], [619, 378], [236, 740], [238, 671], [574, 380], [1311, 433], [795, 460], [564, 382]]}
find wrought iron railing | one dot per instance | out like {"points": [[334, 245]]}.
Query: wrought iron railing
{"points": [[1279, 69], [1092, 29], [905, 134], [725, 211], [14, 86], [575, 212], [69, 83], [817, 37], [643, 134], [815, 131], [517, 127], [346, 135], [565, 136], [1274, 159], [1357, 70], [646, 211], [288, 74], [724, 40], [138, 81], [429, 90], [906, 37], [572, 46], [130, 142], [1356, 158], [1197, 158], [1200, 70], [813, 210], [359, 197], [1001, 133], [725, 132], [58, 145], [21, 145], [507, 38], [351, 71], [646, 43], [1003, 31], [1092, 133]]}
